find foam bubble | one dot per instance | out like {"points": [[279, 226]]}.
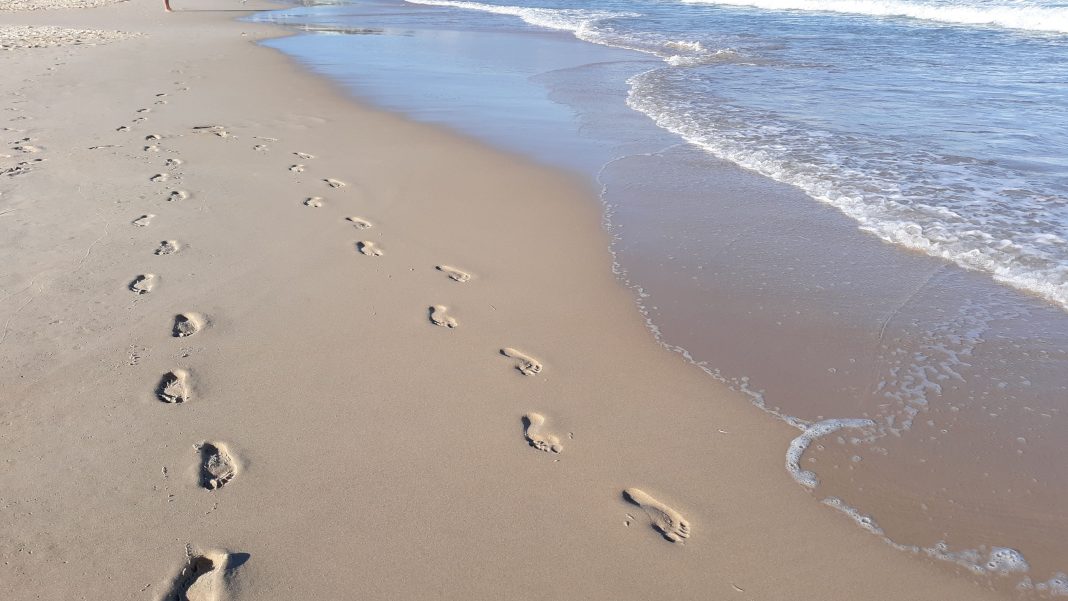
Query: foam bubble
{"points": [[1003, 560], [799, 445], [1056, 586], [864, 521]]}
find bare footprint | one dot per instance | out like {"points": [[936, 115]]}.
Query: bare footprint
{"points": [[173, 162], [527, 365], [314, 202], [439, 316], [454, 274], [202, 578], [217, 130], [153, 137], [260, 147], [217, 465], [167, 247], [143, 284], [159, 177], [532, 430], [143, 220], [177, 195], [369, 248], [174, 387], [361, 224], [151, 148], [187, 324], [296, 168], [122, 128], [665, 519], [334, 183], [303, 155]]}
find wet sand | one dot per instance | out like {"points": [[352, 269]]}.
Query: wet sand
{"points": [[771, 291], [218, 382]]}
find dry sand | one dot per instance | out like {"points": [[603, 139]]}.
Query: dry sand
{"points": [[425, 383]]}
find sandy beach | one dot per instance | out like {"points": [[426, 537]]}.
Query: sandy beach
{"points": [[259, 341]]}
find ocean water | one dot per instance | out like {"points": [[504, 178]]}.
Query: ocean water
{"points": [[938, 126], [854, 212]]}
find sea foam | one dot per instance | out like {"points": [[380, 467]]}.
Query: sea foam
{"points": [[1012, 16]]}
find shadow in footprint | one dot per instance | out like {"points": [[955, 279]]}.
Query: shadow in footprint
{"points": [[439, 316], [174, 387], [187, 324], [527, 365], [368, 248], [204, 576], [143, 284], [666, 520], [457, 275], [536, 437], [217, 465]]}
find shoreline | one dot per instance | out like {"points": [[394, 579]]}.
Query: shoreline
{"points": [[366, 437], [769, 291]]}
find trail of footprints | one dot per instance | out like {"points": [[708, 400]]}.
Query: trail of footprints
{"points": [[202, 574]]}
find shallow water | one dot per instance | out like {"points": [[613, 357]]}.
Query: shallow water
{"points": [[789, 279]]}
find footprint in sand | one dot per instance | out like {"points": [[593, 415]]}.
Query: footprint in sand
{"points": [[217, 130], [527, 365], [454, 274], [146, 110], [143, 220], [217, 465], [296, 168], [174, 387], [28, 148], [260, 147], [173, 162], [152, 148], [202, 578], [153, 137], [143, 284], [361, 224], [159, 177], [334, 183], [303, 155], [139, 120], [167, 247], [665, 519], [122, 128], [160, 102], [439, 316], [543, 441], [187, 324], [177, 195], [368, 248], [314, 202]]}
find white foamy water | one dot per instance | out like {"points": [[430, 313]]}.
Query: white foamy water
{"points": [[943, 133], [595, 26], [1014, 15], [931, 189], [980, 214], [574, 20]]}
